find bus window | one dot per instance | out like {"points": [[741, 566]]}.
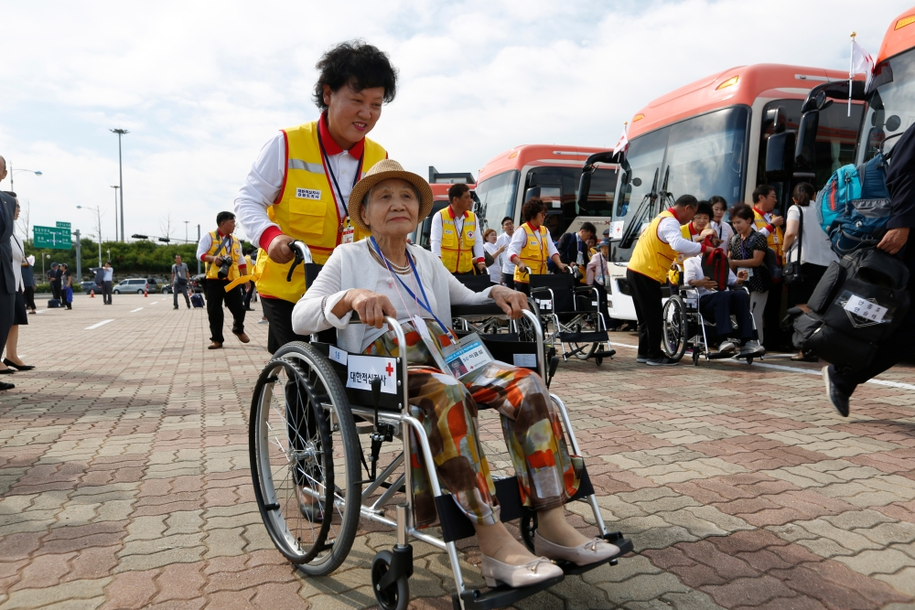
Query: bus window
{"points": [[705, 154], [835, 143], [497, 198], [559, 189], [890, 108], [645, 156]]}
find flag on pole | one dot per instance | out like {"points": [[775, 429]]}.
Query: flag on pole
{"points": [[861, 63], [623, 142]]}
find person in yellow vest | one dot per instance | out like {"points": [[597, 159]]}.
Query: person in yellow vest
{"points": [[299, 185], [455, 234], [764, 201], [531, 246], [652, 257], [221, 251], [692, 231], [248, 287]]}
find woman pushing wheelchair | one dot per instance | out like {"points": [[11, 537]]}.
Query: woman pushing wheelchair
{"points": [[385, 276]]}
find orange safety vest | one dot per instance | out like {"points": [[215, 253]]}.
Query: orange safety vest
{"points": [[651, 256], [306, 209]]}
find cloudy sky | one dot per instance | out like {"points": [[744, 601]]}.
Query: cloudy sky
{"points": [[201, 88]]}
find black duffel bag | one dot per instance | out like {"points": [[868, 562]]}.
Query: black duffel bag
{"points": [[860, 301]]}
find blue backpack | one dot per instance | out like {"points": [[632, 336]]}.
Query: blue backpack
{"points": [[855, 206]]}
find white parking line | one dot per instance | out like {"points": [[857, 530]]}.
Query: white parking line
{"points": [[154, 302], [135, 310], [102, 323], [791, 369]]}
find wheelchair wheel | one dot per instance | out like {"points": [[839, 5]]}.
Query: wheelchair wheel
{"points": [[674, 328], [397, 595], [305, 459]]}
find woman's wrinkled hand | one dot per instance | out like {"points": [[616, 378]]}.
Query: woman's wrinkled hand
{"points": [[510, 301], [371, 306]]}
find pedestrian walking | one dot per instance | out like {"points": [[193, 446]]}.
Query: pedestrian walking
{"points": [[221, 251], [180, 279]]}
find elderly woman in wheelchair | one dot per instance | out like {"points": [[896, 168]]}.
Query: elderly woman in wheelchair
{"points": [[384, 276]]}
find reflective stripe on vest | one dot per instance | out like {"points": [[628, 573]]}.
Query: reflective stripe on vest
{"points": [[651, 256], [234, 252], [306, 210], [457, 251]]}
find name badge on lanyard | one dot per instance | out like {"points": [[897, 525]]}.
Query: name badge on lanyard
{"points": [[348, 231], [467, 357]]}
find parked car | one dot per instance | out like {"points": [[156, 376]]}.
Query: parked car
{"points": [[137, 285], [89, 286]]}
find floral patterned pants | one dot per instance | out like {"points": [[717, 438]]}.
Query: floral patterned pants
{"points": [[447, 408]]}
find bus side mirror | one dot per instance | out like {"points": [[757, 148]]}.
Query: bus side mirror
{"points": [[584, 189], [780, 156], [533, 192], [805, 150]]}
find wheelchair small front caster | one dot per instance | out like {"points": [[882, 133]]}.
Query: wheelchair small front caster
{"points": [[528, 525], [394, 595]]}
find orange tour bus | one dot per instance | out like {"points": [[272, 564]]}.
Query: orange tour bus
{"points": [[551, 172], [710, 137], [889, 98]]}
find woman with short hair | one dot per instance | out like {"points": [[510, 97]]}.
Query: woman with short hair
{"points": [[531, 245]]}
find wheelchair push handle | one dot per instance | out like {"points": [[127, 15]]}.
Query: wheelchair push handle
{"points": [[302, 255]]}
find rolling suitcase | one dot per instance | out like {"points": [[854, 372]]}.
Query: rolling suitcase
{"points": [[197, 299]]}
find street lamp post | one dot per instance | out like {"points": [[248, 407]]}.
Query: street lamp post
{"points": [[116, 187], [185, 230], [98, 214], [121, 132], [37, 172]]}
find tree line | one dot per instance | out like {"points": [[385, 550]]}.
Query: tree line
{"points": [[134, 259]]}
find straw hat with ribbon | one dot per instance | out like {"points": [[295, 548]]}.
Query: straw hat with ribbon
{"points": [[384, 170]]}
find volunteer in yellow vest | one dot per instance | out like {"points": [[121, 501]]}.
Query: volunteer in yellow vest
{"points": [[652, 257], [455, 235], [764, 201], [221, 251], [299, 185], [692, 231], [531, 246]]}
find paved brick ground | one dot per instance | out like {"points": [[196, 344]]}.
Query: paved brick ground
{"points": [[124, 480]]}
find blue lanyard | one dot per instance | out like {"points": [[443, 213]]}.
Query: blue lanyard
{"points": [[425, 302]]}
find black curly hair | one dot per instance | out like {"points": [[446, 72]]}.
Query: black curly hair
{"points": [[357, 64]]}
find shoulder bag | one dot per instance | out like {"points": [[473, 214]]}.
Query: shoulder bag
{"points": [[793, 273]]}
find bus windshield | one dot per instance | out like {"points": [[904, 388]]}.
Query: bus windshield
{"points": [[497, 198], [701, 156], [559, 190], [891, 106]]}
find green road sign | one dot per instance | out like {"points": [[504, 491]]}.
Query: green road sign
{"points": [[55, 238], [63, 225]]}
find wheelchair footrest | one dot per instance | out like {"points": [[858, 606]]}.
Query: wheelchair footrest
{"points": [[499, 597], [604, 353], [585, 337]]}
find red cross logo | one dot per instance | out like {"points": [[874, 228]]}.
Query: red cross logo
{"points": [[389, 369]]}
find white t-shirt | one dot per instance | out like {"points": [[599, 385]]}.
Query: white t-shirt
{"points": [[495, 270], [507, 266], [815, 249]]}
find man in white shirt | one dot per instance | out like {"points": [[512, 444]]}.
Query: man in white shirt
{"points": [[508, 267], [458, 256], [718, 305], [107, 281]]}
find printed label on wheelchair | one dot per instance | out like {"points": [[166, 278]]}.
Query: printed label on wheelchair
{"points": [[362, 370], [466, 357]]}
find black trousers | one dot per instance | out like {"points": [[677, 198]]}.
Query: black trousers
{"points": [[279, 317], [30, 297], [216, 296], [7, 316], [719, 306], [247, 294], [646, 295], [178, 288], [508, 279], [106, 293], [55, 290]]}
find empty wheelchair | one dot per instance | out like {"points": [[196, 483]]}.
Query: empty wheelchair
{"points": [[685, 328], [329, 444], [572, 316]]}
